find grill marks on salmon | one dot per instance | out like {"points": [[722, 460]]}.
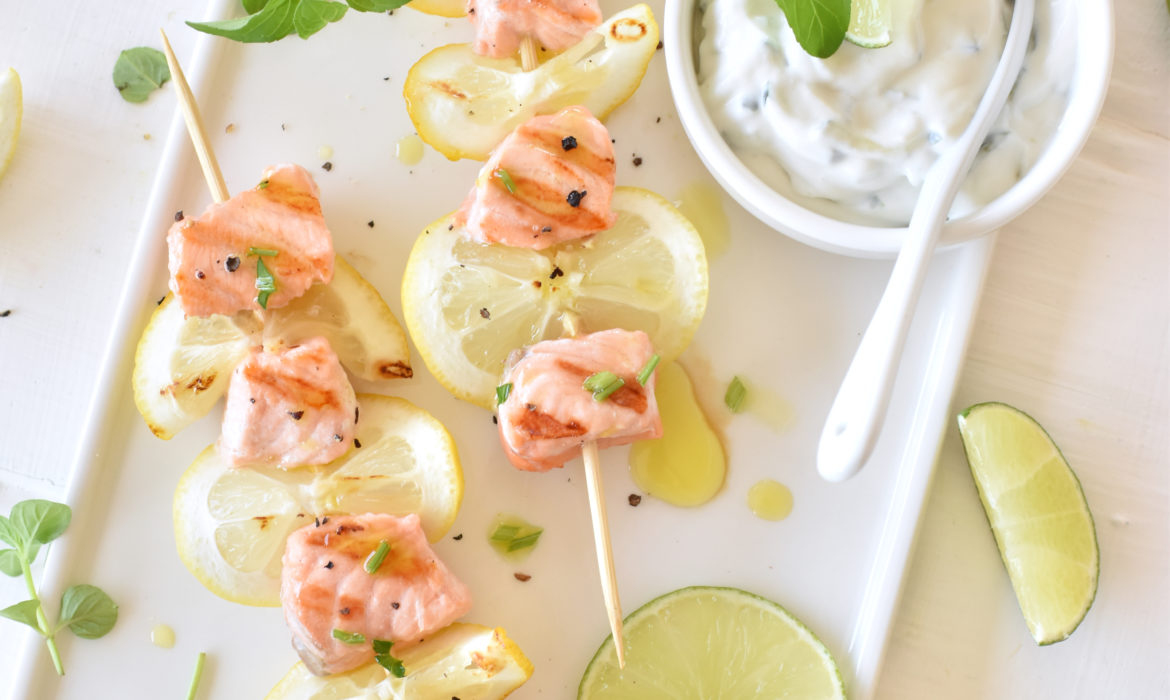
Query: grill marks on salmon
{"points": [[211, 269], [288, 408], [549, 181], [549, 414], [324, 586], [500, 25]]}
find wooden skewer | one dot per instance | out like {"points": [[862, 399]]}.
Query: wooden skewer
{"points": [[601, 541], [211, 172], [528, 59]]}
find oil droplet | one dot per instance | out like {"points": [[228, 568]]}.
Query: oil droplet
{"points": [[513, 536], [409, 149], [702, 204], [769, 408], [162, 636], [770, 500], [686, 466], [325, 153]]}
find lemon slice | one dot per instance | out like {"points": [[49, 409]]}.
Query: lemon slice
{"points": [[1038, 515], [182, 365], [231, 524], [11, 109], [442, 8], [468, 304], [469, 662], [707, 642], [463, 104], [869, 23]]}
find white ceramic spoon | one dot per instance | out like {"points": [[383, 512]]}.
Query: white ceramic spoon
{"points": [[856, 417]]}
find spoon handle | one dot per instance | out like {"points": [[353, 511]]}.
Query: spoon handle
{"points": [[856, 417]]}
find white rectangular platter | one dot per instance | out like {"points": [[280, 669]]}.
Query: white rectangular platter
{"points": [[782, 315]]}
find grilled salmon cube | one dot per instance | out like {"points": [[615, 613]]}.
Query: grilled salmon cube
{"points": [[289, 407], [500, 25], [213, 260], [551, 180], [325, 586], [549, 413]]}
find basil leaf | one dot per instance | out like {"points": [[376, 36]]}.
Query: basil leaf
{"points": [[24, 611], [376, 5], [88, 611], [311, 16], [273, 22], [253, 6], [139, 72], [819, 25], [8, 533], [39, 521], [10, 562]]}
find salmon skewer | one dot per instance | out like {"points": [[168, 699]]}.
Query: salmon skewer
{"points": [[504, 26], [339, 596]]}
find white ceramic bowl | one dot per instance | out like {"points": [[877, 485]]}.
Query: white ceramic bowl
{"points": [[1094, 57]]}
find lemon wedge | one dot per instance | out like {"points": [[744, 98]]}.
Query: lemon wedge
{"points": [[231, 524], [468, 304], [1038, 514], [11, 110], [463, 104], [182, 365]]}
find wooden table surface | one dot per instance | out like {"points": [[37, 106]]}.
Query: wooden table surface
{"points": [[1073, 329]]}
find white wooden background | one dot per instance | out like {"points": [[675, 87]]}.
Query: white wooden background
{"points": [[1073, 328]]}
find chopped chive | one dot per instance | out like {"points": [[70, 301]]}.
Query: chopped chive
{"points": [[375, 559], [265, 283], [603, 384], [735, 395], [348, 637], [644, 375], [270, 252], [502, 392], [382, 646], [505, 533], [263, 185], [525, 542], [391, 664], [196, 676], [506, 179]]}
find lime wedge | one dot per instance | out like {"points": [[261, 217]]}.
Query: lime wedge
{"points": [[1038, 515], [869, 23], [712, 643]]}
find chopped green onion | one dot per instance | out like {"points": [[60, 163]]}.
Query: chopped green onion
{"points": [[270, 252], [382, 646], [524, 542], [348, 637], [502, 392], [391, 664], [263, 185], [265, 283], [506, 179], [195, 677], [375, 559], [735, 395], [603, 384], [505, 533], [644, 375]]}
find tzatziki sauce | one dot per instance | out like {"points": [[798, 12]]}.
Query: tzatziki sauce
{"points": [[852, 136]]}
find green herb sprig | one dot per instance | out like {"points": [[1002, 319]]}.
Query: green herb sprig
{"points": [[819, 25], [139, 72], [272, 20], [86, 610]]}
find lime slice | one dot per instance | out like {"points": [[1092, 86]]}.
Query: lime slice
{"points": [[713, 643], [1038, 515], [869, 23], [11, 109]]}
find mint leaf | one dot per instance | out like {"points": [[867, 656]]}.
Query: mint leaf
{"points": [[24, 611], [88, 611], [10, 562], [311, 16], [39, 521], [376, 5], [819, 25], [139, 72], [274, 21]]}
